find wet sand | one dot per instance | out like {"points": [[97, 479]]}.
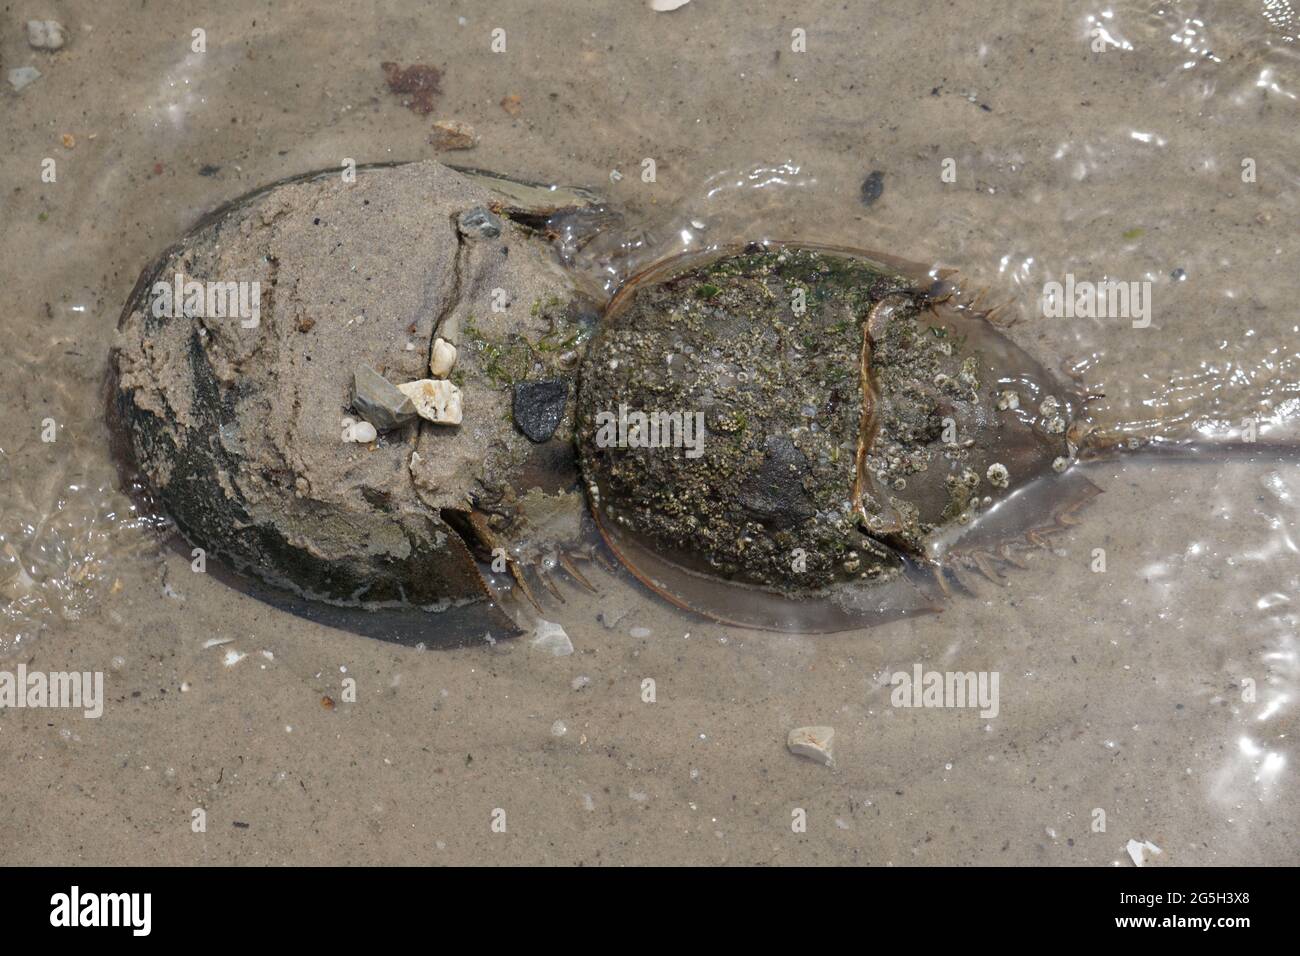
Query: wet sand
{"points": [[1121, 690]]}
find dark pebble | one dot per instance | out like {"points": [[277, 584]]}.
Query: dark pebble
{"points": [[872, 187], [539, 406]]}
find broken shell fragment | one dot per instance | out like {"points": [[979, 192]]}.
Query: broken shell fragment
{"points": [[379, 401], [436, 400], [1139, 851], [813, 743], [551, 638], [443, 358]]}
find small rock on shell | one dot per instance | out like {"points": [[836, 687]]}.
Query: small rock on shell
{"points": [[443, 359], [436, 400], [539, 406], [379, 401]]}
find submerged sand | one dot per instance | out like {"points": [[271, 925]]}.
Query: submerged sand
{"points": [[1155, 698]]}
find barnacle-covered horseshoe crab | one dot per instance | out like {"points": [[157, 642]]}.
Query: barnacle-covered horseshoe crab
{"points": [[773, 435], [847, 425]]}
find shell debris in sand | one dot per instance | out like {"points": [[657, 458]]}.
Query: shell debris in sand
{"points": [[551, 638], [1138, 850], [443, 359], [813, 743], [436, 400], [667, 6]]}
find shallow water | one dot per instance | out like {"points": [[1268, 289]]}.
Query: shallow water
{"points": [[1123, 690]]}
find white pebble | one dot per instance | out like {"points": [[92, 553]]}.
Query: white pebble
{"points": [[362, 432], [444, 358], [436, 400], [46, 34]]}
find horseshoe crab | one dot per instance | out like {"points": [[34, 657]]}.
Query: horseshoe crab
{"points": [[780, 436], [231, 422], [853, 424]]}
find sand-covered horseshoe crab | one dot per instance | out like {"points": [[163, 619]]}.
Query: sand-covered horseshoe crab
{"points": [[233, 420], [773, 435]]}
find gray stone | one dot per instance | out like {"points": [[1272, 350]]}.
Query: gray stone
{"points": [[23, 76], [478, 223], [379, 401]]}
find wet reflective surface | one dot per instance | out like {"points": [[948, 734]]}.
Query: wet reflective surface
{"points": [[1161, 690]]}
